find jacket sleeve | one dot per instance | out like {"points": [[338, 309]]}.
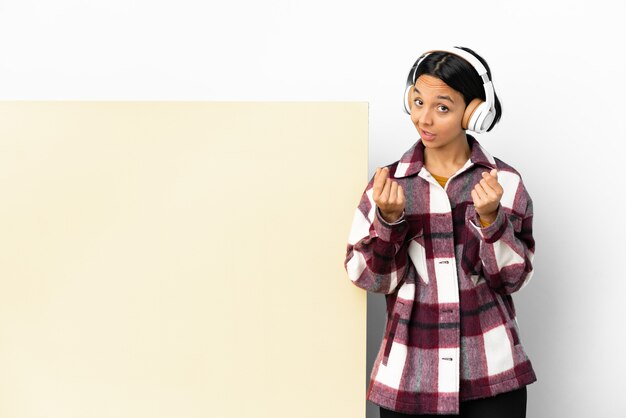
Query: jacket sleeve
{"points": [[376, 258], [507, 246]]}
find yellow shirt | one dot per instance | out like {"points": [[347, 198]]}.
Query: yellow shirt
{"points": [[443, 180]]}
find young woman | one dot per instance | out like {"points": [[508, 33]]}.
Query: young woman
{"points": [[446, 234]]}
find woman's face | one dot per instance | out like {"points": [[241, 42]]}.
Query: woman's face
{"points": [[437, 112]]}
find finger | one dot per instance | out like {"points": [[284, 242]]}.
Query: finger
{"points": [[491, 184], [475, 197], [491, 193], [498, 188], [393, 193], [379, 182], [375, 187], [491, 180], [384, 194], [380, 176], [401, 198], [482, 195], [491, 174]]}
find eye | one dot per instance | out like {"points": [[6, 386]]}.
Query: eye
{"points": [[443, 108], [418, 102]]}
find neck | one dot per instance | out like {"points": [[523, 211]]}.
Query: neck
{"points": [[446, 161]]}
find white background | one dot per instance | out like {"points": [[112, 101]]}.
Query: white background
{"points": [[558, 68]]}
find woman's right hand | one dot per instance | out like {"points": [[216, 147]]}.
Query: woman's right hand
{"points": [[388, 196]]}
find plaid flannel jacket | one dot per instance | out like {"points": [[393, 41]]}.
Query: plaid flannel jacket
{"points": [[451, 332]]}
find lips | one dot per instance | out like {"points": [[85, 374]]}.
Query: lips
{"points": [[427, 136]]}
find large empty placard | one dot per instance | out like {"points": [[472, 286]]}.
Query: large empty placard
{"points": [[180, 259]]}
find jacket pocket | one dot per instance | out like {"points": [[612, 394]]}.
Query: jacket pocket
{"points": [[390, 337], [470, 261], [417, 254], [476, 279], [391, 334], [508, 319]]}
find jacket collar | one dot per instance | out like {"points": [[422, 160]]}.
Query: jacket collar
{"points": [[413, 160]]}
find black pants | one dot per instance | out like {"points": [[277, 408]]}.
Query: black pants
{"points": [[505, 405]]}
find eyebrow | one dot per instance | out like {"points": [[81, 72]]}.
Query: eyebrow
{"points": [[439, 97]]}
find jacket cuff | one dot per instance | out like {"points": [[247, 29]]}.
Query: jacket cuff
{"points": [[494, 231], [390, 232]]}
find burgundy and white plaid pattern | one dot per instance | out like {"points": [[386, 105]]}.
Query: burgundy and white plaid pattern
{"points": [[451, 332]]}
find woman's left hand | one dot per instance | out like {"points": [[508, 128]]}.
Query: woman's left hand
{"points": [[486, 196]]}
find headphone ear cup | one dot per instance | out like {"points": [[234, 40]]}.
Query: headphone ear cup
{"points": [[469, 117], [407, 98], [481, 118], [486, 118]]}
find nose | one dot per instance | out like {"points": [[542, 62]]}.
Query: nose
{"points": [[421, 116]]}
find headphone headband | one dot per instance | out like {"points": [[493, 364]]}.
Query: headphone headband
{"points": [[487, 114], [475, 62]]}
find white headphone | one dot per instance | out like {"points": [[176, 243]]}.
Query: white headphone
{"points": [[478, 115]]}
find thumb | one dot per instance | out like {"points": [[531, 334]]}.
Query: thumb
{"points": [[494, 173]]}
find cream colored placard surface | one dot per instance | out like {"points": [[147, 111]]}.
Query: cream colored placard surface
{"points": [[180, 259]]}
